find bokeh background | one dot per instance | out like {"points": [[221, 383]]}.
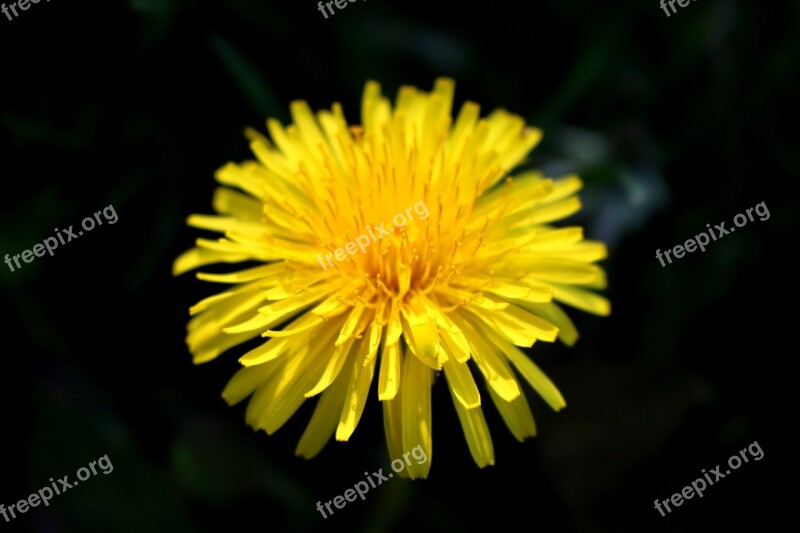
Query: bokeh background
{"points": [[672, 122]]}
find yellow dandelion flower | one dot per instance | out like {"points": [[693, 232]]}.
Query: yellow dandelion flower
{"points": [[400, 246]]}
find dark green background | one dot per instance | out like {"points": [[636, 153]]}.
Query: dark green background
{"points": [[672, 122]]}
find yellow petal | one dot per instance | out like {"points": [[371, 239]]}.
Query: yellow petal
{"points": [[358, 390], [229, 202], [250, 274], [372, 343], [457, 345], [350, 324], [559, 271], [206, 351], [416, 413], [323, 421], [266, 352], [393, 428], [389, 378], [550, 212], [310, 322], [582, 299], [532, 373], [197, 257], [297, 302], [300, 373], [567, 332], [393, 328], [517, 325], [522, 290], [476, 432], [564, 187], [517, 415], [421, 333], [333, 367], [245, 381], [494, 369], [463, 387]]}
